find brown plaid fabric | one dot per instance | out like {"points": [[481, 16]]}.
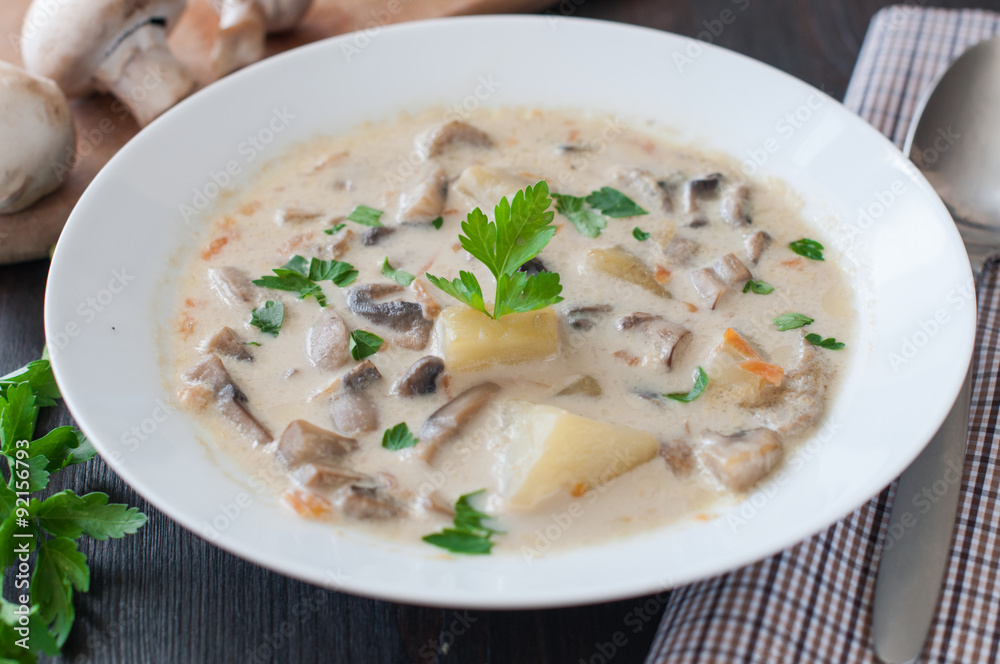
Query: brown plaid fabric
{"points": [[813, 602]]}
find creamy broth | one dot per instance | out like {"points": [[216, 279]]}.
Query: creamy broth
{"points": [[285, 212]]}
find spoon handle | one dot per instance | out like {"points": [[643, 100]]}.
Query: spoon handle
{"points": [[918, 541]]}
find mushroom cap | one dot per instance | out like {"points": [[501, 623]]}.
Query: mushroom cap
{"points": [[37, 134], [67, 40]]}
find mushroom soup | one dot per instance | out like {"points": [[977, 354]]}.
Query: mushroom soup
{"points": [[633, 334]]}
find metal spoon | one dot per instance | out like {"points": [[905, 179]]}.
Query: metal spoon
{"points": [[955, 140]]}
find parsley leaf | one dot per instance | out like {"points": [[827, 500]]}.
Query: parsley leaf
{"points": [[829, 343], [401, 277], [66, 514], [640, 234], [469, 535], [364, 344], [299, 276], [613, 203], [18, 414], [398, 438], [759, 287], [59, 568], [791, 321], [522, 229], [574, 208], [700, 383], [366, 216], [269, 317], [808, 248], [336, 229], [38, 375], [438, 223]]}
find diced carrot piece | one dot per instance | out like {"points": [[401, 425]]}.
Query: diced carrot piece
{"points": [[250, 208], [186, 325], [690, 307], [305, 504], [573, 135], [431, 308], [511, 142], [732, 340], [578, 490], [793, 262], [662, 274], [627, 357], [772, 373], [214, 247]]}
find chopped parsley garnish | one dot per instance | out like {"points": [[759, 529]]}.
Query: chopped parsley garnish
{"points": [[521, 230], [366, 216], [364, 344], [398, 438], [401, 277], [791, 321], [700, 383], [640, 234], [759, 287], [300, 277], [438, 223], [336, 229], [269, 317], [251, 343], [574, 208], [613, 203], [808, 248], [468, 535], [829, 343]]}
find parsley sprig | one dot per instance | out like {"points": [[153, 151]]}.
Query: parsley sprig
{"points": [[605, 202], [808, 248], [468, 535], [522, 229], [829, 343], [302, 277], [49, 528], [700, 383], [398, 438]]}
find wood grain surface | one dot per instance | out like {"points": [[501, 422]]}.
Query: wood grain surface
{"points": [[103, 126], [166, 596]]}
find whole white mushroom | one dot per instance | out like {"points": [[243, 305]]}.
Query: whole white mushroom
{"points": [[244, 26], [36, 135], [116, 46]]}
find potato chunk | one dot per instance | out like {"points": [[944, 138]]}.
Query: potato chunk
{"points": [[622, 264], [550, 449], [485, 186], [472, 340]]}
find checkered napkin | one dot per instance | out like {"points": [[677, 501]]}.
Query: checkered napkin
{"points": [[813, 602]]}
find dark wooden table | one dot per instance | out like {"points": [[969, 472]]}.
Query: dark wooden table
{"points": [[165, 595]]}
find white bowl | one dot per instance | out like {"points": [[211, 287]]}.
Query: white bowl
{"points": [[109, 288]]}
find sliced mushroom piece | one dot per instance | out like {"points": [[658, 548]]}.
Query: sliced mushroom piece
{"points": [[425, 202], [406, 318], [634, 319], [328, 343], [373, 236], [533, 267], [708, 285], [732, 271], [582, 318], [679, 457], [353, 412], [303, 442], [319, 477], [699, 188], [681, 250], [741, 460], [244, 26], [227, 343], [37, 132], [368, 503], [656, 191], [361, 376], [799, 402], [666, 338], [420, 378], [295, 215], [735, 206], [231, 402], [448, 420], [109, 45], [233, 286], [755, 243], [436, 141], [585, 385]]}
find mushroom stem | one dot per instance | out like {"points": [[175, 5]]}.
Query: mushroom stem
{"points": [[242, 34], [144, 74]]}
